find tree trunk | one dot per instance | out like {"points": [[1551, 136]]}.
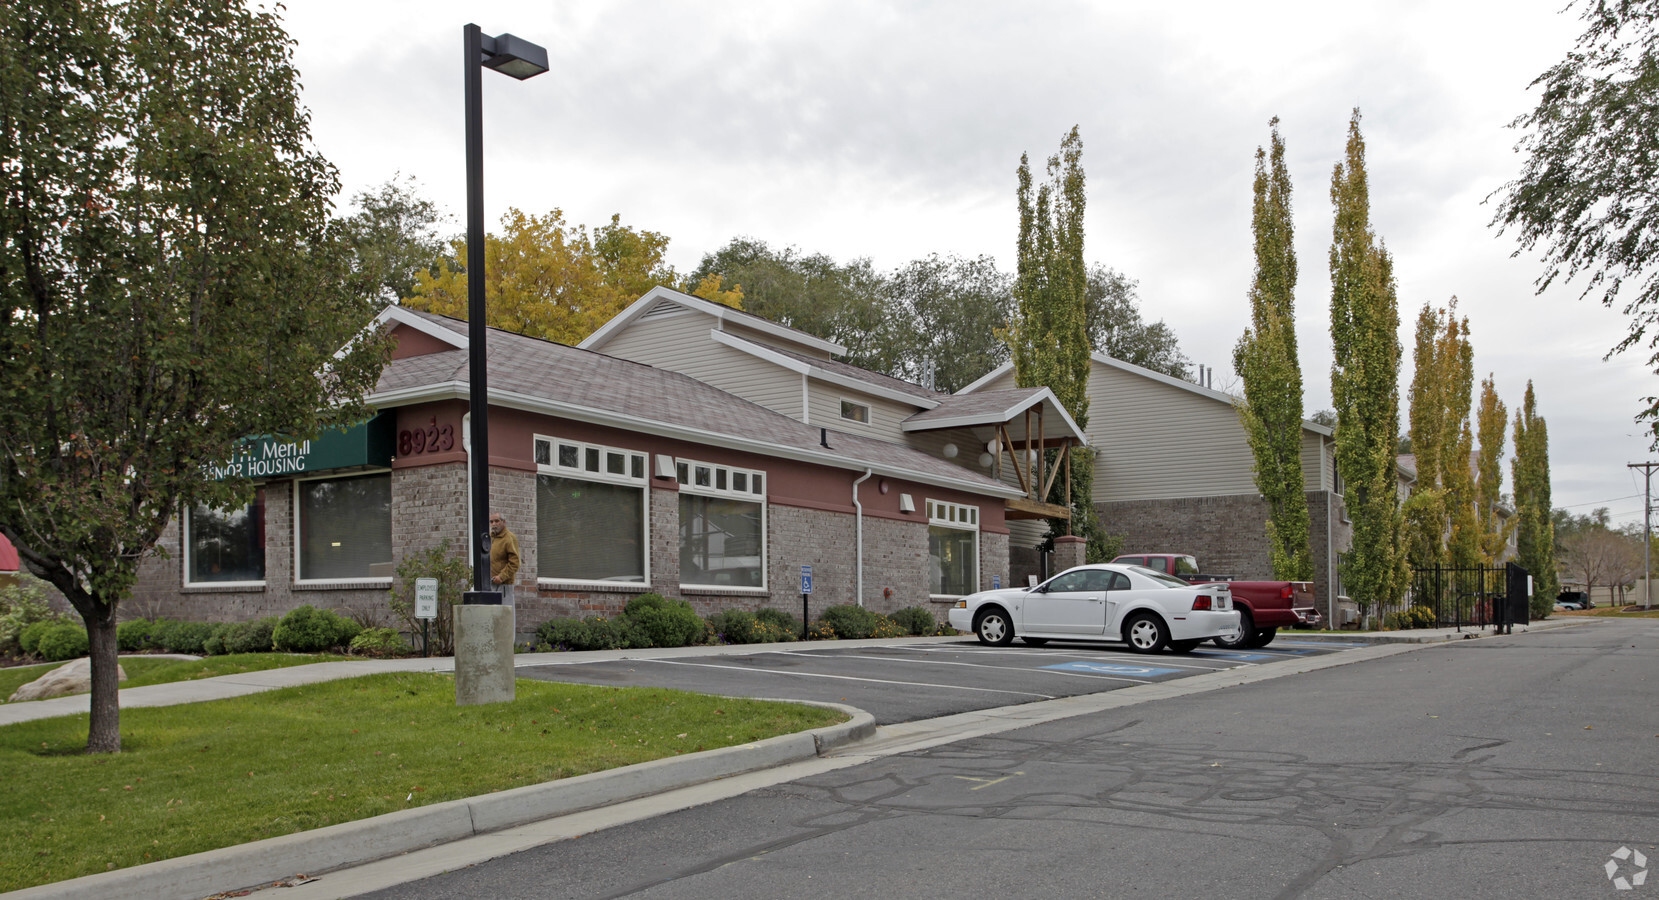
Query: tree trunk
{"points": [[104, 731]]}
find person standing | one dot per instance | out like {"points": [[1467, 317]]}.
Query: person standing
{"points": [[503, 557]]}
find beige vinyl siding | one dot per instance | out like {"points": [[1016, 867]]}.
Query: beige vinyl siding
{"points": [[680, 342], [1315, 476], [768, 340], [1159, 441], [885, 415], [969, 446]]}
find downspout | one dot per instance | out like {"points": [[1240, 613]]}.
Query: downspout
{"points": [[860, 529]]}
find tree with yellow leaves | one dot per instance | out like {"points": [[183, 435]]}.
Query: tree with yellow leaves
{"points": [[547, 279]]}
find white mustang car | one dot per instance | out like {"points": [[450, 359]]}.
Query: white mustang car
{"points": [[1142, 607]]}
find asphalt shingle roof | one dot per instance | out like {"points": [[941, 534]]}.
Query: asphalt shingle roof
{"points": [[567, 375]]}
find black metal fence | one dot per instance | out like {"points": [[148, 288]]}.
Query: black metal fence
{"points": [[1474, 596]]}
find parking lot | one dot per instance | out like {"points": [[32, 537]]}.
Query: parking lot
{"points": [[902, 682]]}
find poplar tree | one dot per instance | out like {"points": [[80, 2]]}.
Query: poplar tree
{"points": [[1049, 337], [1365, 321], [1265, 358], [1439, 517], [1535, 534], [1492, 421]]}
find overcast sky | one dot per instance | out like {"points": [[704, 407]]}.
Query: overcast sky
{"points": [[893, 130]]}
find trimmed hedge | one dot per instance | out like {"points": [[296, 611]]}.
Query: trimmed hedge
{"points": [[664, 622], [739, 626], [133, 635], [917, 620]]}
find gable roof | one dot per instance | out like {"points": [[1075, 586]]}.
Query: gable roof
{"points": [[1131, 368], [835, 372], [996, 408], [722, 314], [554, 379]]}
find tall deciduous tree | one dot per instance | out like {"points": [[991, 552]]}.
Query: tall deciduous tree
{"points": [[393, 237], [1440, 519], [550, 280], [1588, 192], [1535, 532], [946, 314], [1049, 339], [810, 292], [168, 284], [1266, 360], [1365, 321], [1117, 329], [1492, 420]]}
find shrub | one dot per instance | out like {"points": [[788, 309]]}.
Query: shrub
{"points": [[133, 635], [21, 605], [251, 637], [780, 620], [563, 634], [663, 622], [63, 640], [1420, 617], [380, 642], [739, 626], [593, 633], [887, 628], [215, 643], [916, 620], [29, 639], [454, 577], [181, 637], [311, 630], [850, 623]]}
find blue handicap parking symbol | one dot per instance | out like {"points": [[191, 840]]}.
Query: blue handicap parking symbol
{"points": [[1128, 671], [1241, 657], [1323, 645]]}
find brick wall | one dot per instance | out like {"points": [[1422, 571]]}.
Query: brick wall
{"points": [[1228, 534]]}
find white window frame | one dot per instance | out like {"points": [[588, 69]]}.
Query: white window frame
{"points": [[869, 411], [685, 472], [185, 517], [581, 472], [309, 582], [961, 517]]}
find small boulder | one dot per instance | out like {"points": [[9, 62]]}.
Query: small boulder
{"points": [[70, 678]]}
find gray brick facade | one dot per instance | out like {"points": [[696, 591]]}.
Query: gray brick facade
{"points": [[1228, 534]]}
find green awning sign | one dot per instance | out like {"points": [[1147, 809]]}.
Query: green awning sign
{"points": [[267, 456]]}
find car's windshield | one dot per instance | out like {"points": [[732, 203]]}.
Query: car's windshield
{"points": [[1168, 581]]}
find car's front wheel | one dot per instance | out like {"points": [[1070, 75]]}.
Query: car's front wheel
{"points": [[1246, 630], [1145, 633], [994, 628]]}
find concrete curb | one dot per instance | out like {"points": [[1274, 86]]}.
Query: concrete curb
{"points": [[354, 843]]}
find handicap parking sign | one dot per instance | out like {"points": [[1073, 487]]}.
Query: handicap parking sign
{"points": [[1119, 669]]}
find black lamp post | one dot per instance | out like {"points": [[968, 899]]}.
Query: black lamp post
{"points": [[521, 59]]}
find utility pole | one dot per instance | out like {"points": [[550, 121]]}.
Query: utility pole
{"points": [[1647, 531]]}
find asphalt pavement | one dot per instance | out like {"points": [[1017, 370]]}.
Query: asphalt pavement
{"points": [[481, 828]]}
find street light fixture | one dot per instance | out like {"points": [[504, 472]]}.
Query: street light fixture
{"points": [[520, 59]]}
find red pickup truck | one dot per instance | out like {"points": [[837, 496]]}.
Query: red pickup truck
{"points": [[1264, 606]]}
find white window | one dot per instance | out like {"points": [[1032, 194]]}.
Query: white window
{"points": [[855, 412], [225, 548], [722, 525], [344, 528], [953, 548], [591, 514]]}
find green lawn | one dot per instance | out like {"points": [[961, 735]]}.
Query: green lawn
{"points": [[208, 775], [142, 670]]}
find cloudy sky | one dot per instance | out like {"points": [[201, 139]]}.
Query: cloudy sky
{"points": [[893, 130]]}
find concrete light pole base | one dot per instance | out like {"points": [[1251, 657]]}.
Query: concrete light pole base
{"points": [[483, 655]]}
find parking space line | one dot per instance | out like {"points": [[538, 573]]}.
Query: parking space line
{"points": [[953, 687], [1049, 654], [938, 662]]}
